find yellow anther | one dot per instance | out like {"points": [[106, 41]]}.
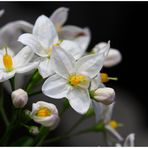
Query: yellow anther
{"points": [[105, 78], [113, 124], [7, 60], [43, 112], [49, 51], [76, 79]]}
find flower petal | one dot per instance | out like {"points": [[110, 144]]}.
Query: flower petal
{"points": [[28, 67], [129, 141], [114, 132], [59, 17], [90, 65], [79, 35], [63, 63], [23, 57], [114, 57], [45, 68], [31, 41], [10, 32], [6, 75], [79, 100], [72, 48], [45, 31], [55, 87], [2, 12]]}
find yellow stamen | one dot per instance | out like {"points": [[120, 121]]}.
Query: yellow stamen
{"points": [[105, 78], [43, 112], [76, 79], [7, 60], [113, 124]]}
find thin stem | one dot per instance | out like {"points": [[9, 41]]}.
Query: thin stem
{"points": [[35, 93], [12, 83], [2, 111]]}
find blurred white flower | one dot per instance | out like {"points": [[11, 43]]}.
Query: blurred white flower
{"points": [[72, 78], [20, 63], [34, 130], [42, 41], [104, 114], [45, 114], [81, 36], [2, 12], [113, 58], [19, 98], [105, 95], [129, 141]]}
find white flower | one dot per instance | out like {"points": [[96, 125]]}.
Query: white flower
{"points": [[20, 63], [81, 36], [42, 40], [72, 78], [113, 58], [104, 114], [105, 95], [45, 114], [34, 130], [19, 98], [129, 141], [2, 12]]}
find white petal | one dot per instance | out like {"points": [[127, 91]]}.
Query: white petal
{"points": [[63, 63], [45, 68], [6, 75], [59, 17], [90, 65], [23, 57], [1, 12], [114, 132], [45, 31], [79, 100], [114, 57], [31, 41], [55, 87], [129, 141], [72, 48], [95, 82], [27, 68], [10, 32], [81, 36], [102, 48]]}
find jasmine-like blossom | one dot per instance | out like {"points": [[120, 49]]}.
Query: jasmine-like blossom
{"points": [[81, 36], [104, 115], [19, 98], [72, 78], [20, 63], [45, 114], [129, 141], [42, 40], [114, 56]]}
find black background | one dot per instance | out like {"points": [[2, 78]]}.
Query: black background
{"points": [[123, 23]]}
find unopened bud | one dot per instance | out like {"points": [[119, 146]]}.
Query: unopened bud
{"points": [[34, 130], [105, 95], [19, 98]]}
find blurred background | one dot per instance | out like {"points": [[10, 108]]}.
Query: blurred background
{"points": [[125, 25]]}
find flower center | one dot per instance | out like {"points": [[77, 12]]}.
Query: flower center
{"points": [[77, 79], [7, 60], [113, 124], [43, 112], [105, 78]]}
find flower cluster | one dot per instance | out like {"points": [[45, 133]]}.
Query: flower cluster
{"points": [[58, 54]]}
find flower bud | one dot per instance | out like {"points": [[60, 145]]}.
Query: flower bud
{"points": [[19, 98], [34, 130], [105, 95], [45, 114]]}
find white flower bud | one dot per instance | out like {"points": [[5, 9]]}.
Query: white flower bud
{"points": [[105, 95], [45, 114], [19, 98], [34, 130]]}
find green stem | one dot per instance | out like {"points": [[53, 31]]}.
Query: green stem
{"points": [[2, 111], [35, 93], [12, 83], [41, 137]]}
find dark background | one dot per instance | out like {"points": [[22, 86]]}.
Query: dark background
{"points": [[123, 23]]}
